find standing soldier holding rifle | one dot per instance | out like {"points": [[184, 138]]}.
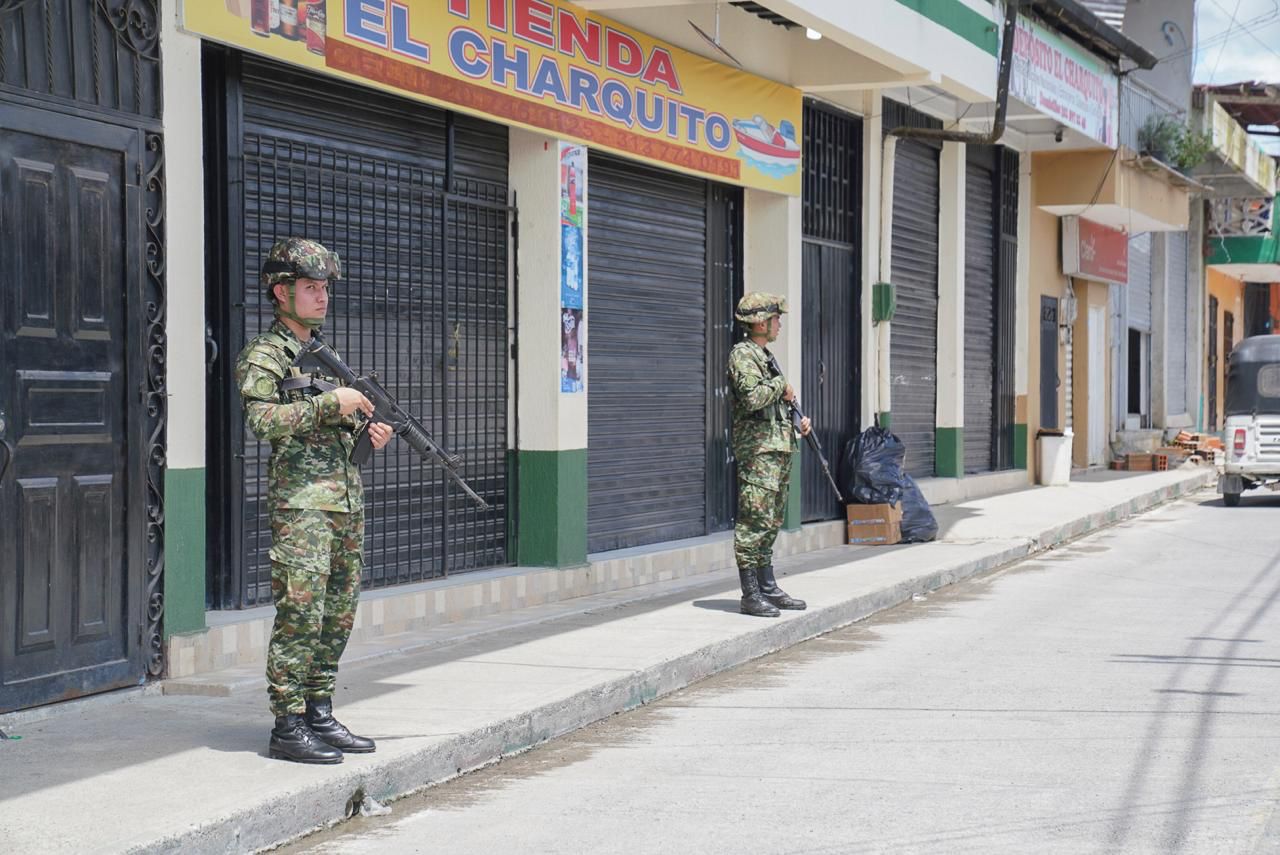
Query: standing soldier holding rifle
{"points": [[316, 502], [764, 441]]}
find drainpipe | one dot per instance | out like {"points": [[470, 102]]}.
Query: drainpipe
{"points": [[1002, 93], [884, 400]]}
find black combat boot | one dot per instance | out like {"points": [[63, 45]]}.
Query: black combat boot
{"points": [[291, 739], [324, 725], [752, 602], [770, 591]]}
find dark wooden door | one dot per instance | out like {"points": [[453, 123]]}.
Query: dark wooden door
{"points": [[69, 212], [1049, 362]]}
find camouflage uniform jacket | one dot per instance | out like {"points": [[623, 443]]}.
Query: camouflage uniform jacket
{"points": [[311, 442], [760, 418]]}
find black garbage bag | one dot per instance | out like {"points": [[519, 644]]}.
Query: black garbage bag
{"points": [[871, 467], [918, 522]]}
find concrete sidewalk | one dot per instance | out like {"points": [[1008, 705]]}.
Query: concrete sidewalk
{"points": [[159, 772]]}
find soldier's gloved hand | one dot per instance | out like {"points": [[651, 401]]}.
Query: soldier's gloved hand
{"points": [[350, 400], [379, 434], [805, 426], [789, 394]]}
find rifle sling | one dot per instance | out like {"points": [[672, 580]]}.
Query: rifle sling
{"points": [[289, 384]]}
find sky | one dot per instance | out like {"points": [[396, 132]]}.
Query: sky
{"points": [[1238, 40]]}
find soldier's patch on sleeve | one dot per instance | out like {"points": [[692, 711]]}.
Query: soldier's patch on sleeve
{"points": [[263, 387], [258, 385]]}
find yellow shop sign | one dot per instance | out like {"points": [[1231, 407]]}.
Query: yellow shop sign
{"points": [[540, 64]]}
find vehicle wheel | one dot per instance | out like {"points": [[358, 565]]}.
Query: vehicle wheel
{"points": [[1231, 499]]}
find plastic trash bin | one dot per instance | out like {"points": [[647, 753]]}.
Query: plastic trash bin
{"points": [[1054, 463]]}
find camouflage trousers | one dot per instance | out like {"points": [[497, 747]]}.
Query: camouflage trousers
{"points": [[762, 500], [316, 557]]}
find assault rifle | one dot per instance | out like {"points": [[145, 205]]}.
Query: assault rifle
{"points": [[387, 411], [798, 416]]}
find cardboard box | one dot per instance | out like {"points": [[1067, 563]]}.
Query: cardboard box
{"points": [[1142, 462], [879, 525]]}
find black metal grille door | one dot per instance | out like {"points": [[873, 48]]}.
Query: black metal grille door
{"points": [[423, 302], [832, 238], [914, 339], [979, 314], [724, 289], [1006, 306], [647, 334]]}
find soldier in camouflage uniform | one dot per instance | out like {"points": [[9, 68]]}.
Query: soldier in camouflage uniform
{"points": [[764, 441], [316, 504]]}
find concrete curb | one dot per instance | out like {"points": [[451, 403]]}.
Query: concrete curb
{"points": [[288, 816]]}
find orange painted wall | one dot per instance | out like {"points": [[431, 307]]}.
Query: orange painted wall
{"points": [[1230, 294]]}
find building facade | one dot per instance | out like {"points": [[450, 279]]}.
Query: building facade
{"points": [[546, 213]]}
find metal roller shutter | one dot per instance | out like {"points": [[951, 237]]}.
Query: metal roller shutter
{"points": [[647, 355], [1138, 290], [1176, 323], [830, 260], [365, 174], [979, 317], [1069, 380], [914, 337]]}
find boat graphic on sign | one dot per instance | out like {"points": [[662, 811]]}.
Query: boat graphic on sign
{"points": [[774, 151]]}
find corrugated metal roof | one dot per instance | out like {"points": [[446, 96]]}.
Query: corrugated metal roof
{"points": [[1111, 11]]}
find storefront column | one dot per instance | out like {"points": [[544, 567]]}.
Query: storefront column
{"points": [[1022, 326], [949, 454], [186, 379], [551, 460], [1163, 409], [772, 262], [872, 223], [1197, 306]]}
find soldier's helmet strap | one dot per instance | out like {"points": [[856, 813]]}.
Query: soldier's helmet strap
{"points": [[290, 311]]}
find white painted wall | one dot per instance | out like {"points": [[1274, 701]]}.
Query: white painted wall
{"points": [[185, 238], [1167, 29], [771, 243], [951, 224], [549, 420], [895, 35], [872, 222]]}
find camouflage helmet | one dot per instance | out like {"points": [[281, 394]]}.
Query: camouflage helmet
{"points": [[759, 306], [294, 258]]}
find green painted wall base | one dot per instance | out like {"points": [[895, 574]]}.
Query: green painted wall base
{"points": [[792, 519], [948, 460], [184, 551], [552, 510], [1019, 446]]}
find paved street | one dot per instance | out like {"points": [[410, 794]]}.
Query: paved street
{"points": [[1116, 695]]}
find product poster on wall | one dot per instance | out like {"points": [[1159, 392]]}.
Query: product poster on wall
{"points": [[571, 353], [573, 220]]}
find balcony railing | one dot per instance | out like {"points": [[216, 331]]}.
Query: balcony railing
{"points": [[1138, 103], [1241, 217]]}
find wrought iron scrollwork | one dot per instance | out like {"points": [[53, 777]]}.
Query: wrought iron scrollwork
{"points": [[136, 24], [156, 399]]}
